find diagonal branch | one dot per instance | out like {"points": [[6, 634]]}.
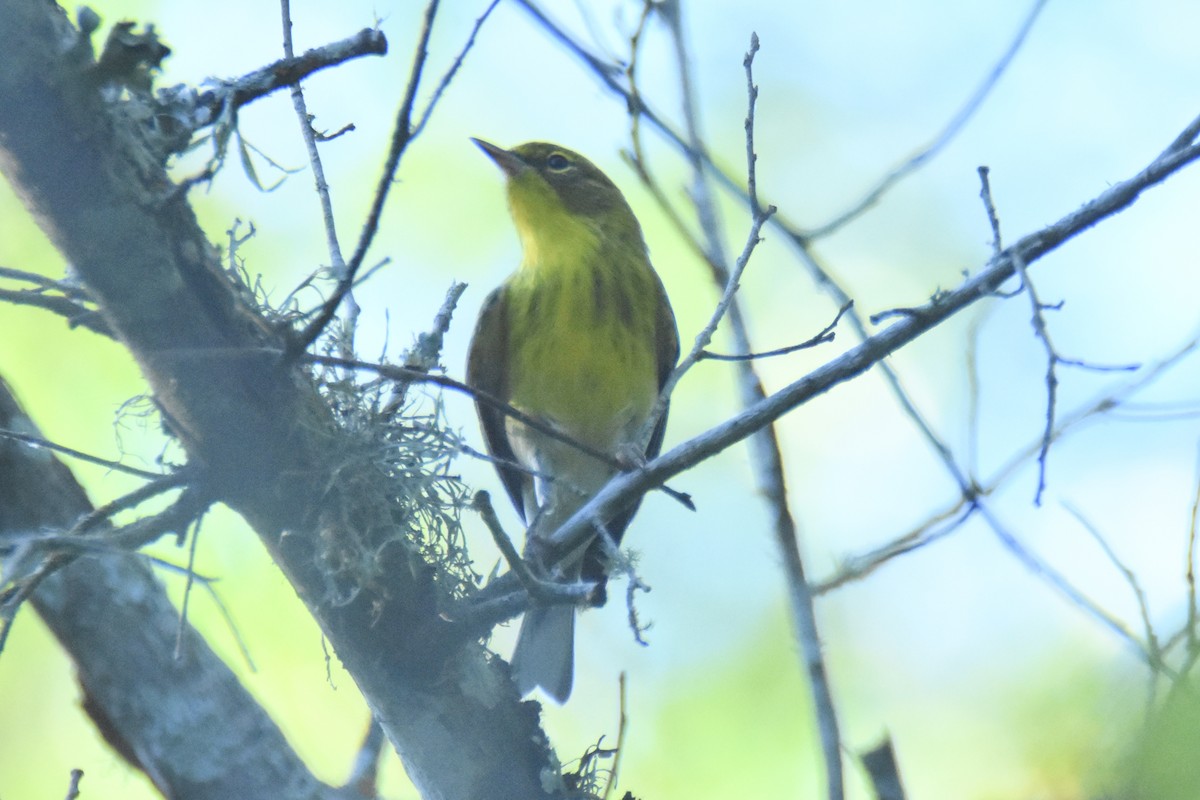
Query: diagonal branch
{"points": [[622, 489], [800, 240], [951, 518], [288, 71], [187, 723]]}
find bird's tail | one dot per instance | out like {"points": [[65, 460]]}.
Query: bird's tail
{"points": [[545, 651]]}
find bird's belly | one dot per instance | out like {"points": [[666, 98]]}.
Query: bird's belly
{"points": [[587, 371]]}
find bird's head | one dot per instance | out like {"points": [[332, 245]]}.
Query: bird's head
{"points": [[555, 193]]}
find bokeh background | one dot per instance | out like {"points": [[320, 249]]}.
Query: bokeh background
{"points": [[990, 682]]}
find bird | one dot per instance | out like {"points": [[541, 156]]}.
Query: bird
{"points": [[582, 338]]}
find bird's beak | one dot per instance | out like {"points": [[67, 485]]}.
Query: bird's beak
{"points": [[507, 160]]}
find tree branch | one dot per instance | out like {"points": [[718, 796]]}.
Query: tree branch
{"points": [[187, 723], [269, 442], [288, 71], [951, 518], [623, 488]]}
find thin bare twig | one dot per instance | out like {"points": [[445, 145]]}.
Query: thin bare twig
{"points": [[467, 450], [971, 357], [623, 723], [944, 137], [161, 484], [1048, 574], [823, 337], [1157, 412], [189, 579], [857, 567], [605, 69], [1039, 326], [217, 108], [450, 73], [69, 289], [206, 583], [1193, 646], [75, 313], [952, 517], [402, 136], [1154, 653], [704, 337], [1038, 321], [337, 262], [1042, 330], [116, 466], [71, 301], [985, 193]]}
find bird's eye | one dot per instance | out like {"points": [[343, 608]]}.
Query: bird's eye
{"points": [[557, 162]]}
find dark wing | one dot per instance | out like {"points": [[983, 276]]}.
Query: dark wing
{"points": [[666, 343], [487, 370], [667, 351]]}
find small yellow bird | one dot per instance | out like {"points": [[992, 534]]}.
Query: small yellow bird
{"points": [[581, 337]]}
